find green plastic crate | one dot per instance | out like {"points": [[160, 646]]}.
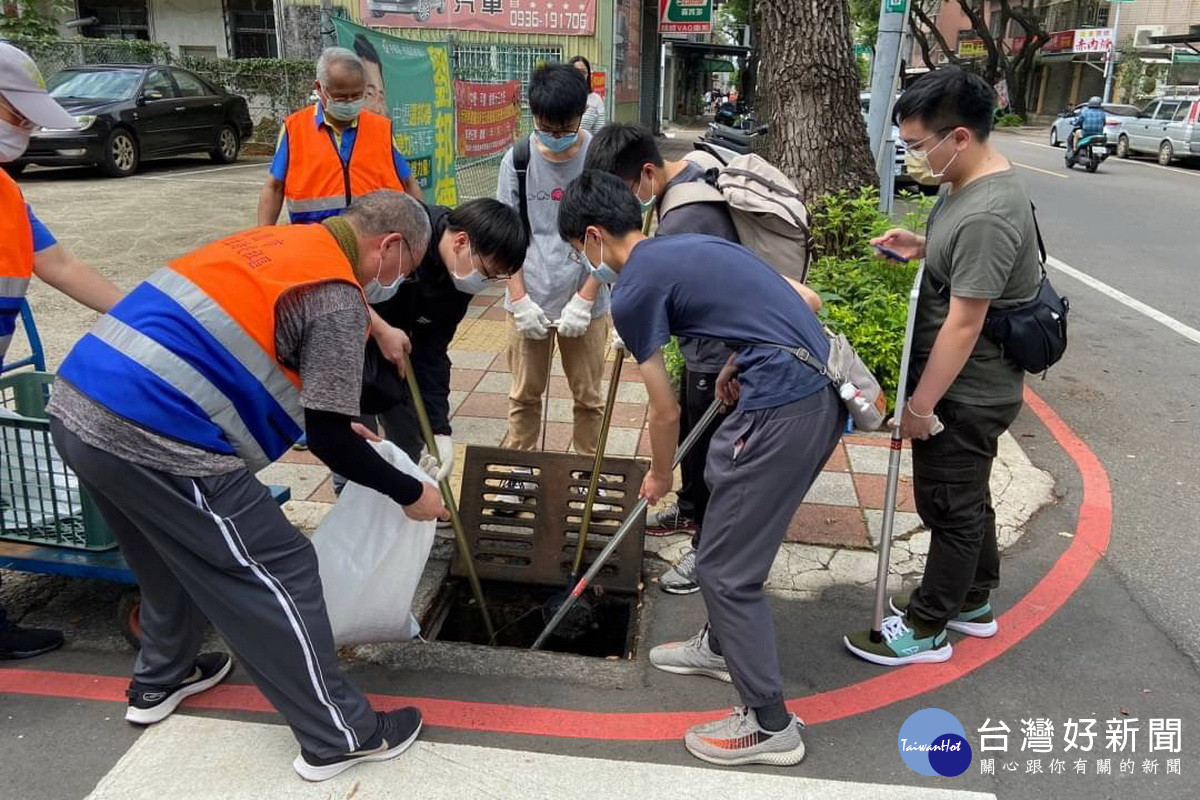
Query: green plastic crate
{"points": [[40, 498]]}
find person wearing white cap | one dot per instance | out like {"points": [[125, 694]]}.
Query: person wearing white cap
{"points": [[27, 248]]}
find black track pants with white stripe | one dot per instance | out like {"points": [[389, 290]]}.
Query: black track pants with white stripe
{"points": [[220, 548]]}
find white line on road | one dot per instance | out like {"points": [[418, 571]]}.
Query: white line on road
{"points": [[1124, 299], [1178, 170], [193, 180], [1039, 169]]}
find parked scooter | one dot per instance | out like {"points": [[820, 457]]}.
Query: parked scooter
{"points": [[1091, 152]]}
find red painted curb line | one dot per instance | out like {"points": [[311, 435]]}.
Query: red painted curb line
{"points": [[1090, 542]]}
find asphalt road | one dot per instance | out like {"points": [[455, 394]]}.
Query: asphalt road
{"points": [[1124, 646], [1129, 384]]}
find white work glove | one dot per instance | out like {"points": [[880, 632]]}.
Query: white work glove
{"points": [[617, 342], [576, 317], [438, 466], [531, 321]]}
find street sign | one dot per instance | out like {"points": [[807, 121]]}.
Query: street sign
{"points": [[895, 6], [685, 16]]}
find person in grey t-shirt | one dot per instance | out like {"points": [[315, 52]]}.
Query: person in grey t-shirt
{"points": [[630, 152], [551, 286], [980, 254]]}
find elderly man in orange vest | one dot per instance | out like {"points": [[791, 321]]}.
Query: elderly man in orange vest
{"points": [[204, 373], [27, 248], [333, 151]]}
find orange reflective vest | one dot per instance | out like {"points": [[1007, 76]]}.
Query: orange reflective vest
{"points": [[318, 183], [190, 352], [16, 257]]}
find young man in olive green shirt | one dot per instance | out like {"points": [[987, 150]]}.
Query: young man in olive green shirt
{"points": [[981, 253]]}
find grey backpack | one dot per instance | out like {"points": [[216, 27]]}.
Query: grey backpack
{"points": [[765, 206]]}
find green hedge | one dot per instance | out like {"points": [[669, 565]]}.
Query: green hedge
{"points": [[865, 297]]}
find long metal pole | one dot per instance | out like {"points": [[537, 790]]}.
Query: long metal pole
{"points": [[1110, 69], [594, 480], [885, 72], [464, 552], [893, 473], [623, 531]]}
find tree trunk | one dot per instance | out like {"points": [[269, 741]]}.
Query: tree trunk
{"points": [[809, 84]]}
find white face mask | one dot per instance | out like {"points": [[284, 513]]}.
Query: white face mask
{"points": [[376, 292], [474, 283], [14, 139]]}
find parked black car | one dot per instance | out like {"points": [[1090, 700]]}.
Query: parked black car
{"points": [[131, 112]]}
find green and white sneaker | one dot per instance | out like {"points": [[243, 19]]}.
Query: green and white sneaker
{"points": [[978, 621], [739, 739], [900, 645], [692, 657]]}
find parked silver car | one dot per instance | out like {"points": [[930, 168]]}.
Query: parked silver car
{"points": [[1168, 127], [1115, 114]]}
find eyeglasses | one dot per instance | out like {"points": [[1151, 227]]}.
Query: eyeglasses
{"points": [[478, 266], [915, 147], [558, 134], [576, 258]]}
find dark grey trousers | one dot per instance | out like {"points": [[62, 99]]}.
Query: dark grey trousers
{"points": [[760, 466], [220, 548]]}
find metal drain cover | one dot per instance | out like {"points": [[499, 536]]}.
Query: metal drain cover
{"points": [[521, 513]]}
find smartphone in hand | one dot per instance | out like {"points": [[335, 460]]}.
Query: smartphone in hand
{"points": [[891, 255]]}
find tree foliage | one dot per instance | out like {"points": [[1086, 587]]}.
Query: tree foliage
{"points": [[1001, 60]]}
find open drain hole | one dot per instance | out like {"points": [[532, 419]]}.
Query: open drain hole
{"points": [[517, 615]]}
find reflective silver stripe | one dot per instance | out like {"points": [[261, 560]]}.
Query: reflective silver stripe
{"points": [[181, 375], [233, 338], [331, 203], [13, 287]]}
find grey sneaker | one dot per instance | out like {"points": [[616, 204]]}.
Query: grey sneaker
{"points": [[681, 578], [739, 739], [667, 520], [692, 657]]}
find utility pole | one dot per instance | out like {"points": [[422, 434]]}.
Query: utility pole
{"points": [[328, 33], [885, 73], [1110, 68]]}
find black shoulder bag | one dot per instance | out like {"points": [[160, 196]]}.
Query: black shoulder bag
{"points": [[1032, 335]]}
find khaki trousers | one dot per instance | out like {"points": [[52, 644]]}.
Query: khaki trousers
{"points": [[583, 363]]}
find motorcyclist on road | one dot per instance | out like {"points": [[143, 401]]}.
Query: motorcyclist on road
{"points": [[1090, 122]]}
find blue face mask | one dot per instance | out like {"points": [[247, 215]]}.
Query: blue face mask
{"points": [[344, 110], [602, 272], [557, 145]]}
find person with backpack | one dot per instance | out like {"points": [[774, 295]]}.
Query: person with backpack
{"points": [[785, 421], [630, 152], [550, 286], [685, 195], [981, 255]]}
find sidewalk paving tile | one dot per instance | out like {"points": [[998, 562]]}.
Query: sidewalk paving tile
{"points": [[480, 431], [464, 380], [833, 489], [872, 460], [871, 490], [471, 359], [832, 526]]}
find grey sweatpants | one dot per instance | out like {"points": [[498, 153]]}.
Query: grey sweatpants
{"points": [[220, 548], [760, 466]]}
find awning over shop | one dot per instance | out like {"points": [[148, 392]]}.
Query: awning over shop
{"points": [[706, 50], [717, 65]]}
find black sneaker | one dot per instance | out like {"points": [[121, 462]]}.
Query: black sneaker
{"points": [[18, 642], [150, 704], [397, 731]]}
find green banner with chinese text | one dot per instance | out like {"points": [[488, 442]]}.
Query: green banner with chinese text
{"points": [[410, 82]]}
